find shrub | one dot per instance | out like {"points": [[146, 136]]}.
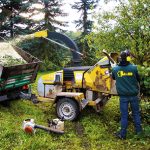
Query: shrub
{"points": [[144, 72]]}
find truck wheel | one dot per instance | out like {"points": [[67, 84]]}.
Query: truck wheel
{"points": [[67, 108]]}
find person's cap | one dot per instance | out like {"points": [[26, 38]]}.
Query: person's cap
{"points": [[123, 55]]}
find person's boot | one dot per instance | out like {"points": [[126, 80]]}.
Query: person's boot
{"points": [[119, 136]]}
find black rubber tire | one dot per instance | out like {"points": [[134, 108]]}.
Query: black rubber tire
{"points": [[71, 105]]}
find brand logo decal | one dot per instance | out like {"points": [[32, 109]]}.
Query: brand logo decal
{"points": [[122, 73]]}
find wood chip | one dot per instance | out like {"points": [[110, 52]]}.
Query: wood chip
{"points": [[9, 56]]}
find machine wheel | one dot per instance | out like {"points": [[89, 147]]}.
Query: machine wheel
{"points": [[67, 109]]}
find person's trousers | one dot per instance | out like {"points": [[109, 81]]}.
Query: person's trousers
{"points": [[134, 103]]}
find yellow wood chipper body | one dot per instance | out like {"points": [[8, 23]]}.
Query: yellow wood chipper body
{"points": [[74, 88]]}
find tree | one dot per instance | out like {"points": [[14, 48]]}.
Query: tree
{"points": [[131, 30], [12, 23], [52, 10], [85, 24], [136, 26], [17, 16], [53, 56], [85, 7]]}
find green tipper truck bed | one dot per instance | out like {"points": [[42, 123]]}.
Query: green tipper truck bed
{"points": [[13, 78]]}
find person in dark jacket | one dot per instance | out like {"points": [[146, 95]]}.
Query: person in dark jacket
{"points": [[127, 85]]}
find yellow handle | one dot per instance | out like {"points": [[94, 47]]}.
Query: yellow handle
{"points": [[41, 33]]}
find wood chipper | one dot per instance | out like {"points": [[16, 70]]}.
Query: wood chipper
{"points": [[75, 87], [15, 78]]}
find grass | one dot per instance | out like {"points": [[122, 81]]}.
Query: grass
{"points": [[92, 131]]}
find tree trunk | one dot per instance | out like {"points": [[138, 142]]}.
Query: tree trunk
{"points": [[139, 57], [11, 23], [48, 25], [11, 27], [85, 20]]}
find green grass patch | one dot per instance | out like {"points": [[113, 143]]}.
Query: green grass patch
{"points": [[92, 131]]}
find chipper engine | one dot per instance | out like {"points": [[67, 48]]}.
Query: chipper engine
{"points": [[74, 88]]}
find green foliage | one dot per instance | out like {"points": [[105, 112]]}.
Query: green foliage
{"points": [[85, 7], [85, 25], [88, 53], [73, 35], [124, 28], [17, 16], [52, 10], [13, 23], [9, 61], [53, 57], [11, 18], [144, 72], [130, 31]]}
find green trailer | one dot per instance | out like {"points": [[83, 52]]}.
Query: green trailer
{"points": [[14, 80]]}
